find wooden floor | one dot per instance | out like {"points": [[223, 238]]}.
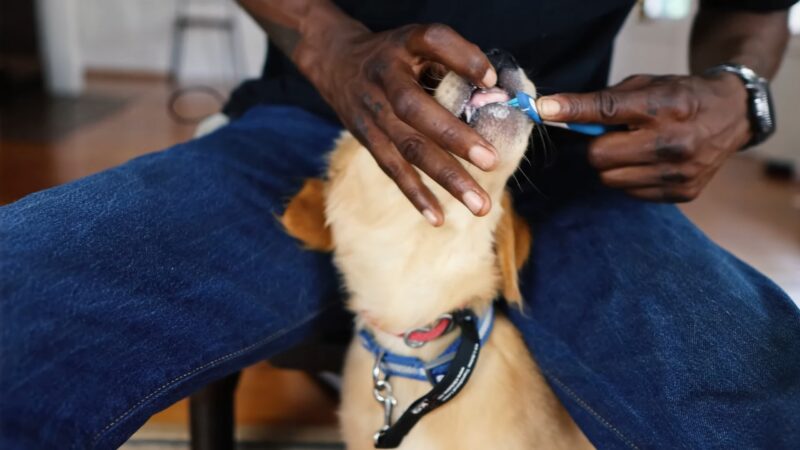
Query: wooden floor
{"points": [[758, 219]]}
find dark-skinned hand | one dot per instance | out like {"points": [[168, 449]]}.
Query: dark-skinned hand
{"points": [[681, 131], [372, 82]]}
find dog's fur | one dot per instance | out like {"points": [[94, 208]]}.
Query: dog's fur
{"points": [[401, 273]]}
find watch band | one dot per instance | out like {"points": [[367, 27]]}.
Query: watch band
{"points": [[759, 99]]}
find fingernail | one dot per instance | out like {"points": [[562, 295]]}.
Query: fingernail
{"points": [[490, 78], [431, 217], [482, 157], [473, 201], [548, 107]]}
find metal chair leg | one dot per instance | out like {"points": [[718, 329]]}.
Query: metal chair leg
{"points": [[211, 415]]}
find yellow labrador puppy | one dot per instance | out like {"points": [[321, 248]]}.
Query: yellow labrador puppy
{"points": [[433, 366]]}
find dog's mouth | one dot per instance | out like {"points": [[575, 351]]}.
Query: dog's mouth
{"points": [[487, 110], [479, 98]]}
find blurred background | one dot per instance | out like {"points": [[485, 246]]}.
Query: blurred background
{"points": [[89, 84]]}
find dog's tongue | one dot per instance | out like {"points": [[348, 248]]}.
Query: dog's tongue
{"points": [[485, 96]]}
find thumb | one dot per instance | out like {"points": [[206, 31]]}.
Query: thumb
{"points": [[606, 106]]}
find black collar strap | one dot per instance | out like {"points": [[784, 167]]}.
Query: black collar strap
{"points": [[454, 380]]}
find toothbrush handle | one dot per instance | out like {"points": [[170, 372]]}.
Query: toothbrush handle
{"points": [[592, 129]]}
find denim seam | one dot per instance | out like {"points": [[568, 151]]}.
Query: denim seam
{"points": [[591, 411], [205, 366]]}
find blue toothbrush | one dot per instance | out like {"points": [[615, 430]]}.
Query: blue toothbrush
{"points": [[527, 104]]}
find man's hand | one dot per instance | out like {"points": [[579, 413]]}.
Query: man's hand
{"points": [[681, 130], [371, 81]]}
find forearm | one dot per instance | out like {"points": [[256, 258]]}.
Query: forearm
{"points": [[301, 29], [757, 40]]}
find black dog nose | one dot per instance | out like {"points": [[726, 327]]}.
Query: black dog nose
{"points": [[501, 59]]}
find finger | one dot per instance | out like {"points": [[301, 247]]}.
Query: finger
{"points": [[646, 176], [638, 101], [398, 169], [666, 194], [643, 146], [422, 113], [608, 106], [444, 45], [437, 164]]}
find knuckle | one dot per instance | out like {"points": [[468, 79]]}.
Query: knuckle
{"points": [[435, 34], [404, 103], [450, 135], [393, 169], [413, 149], [449, 177], [689, 148], [632, 79], [671, 197], [597, 156], [477, 64], [663, 79], [376, 68], [672, 150], [606, 104], [373, 106], [401, 35], [360, 130], [672, 175], [572, 106], [683, 104], [413, 192]]}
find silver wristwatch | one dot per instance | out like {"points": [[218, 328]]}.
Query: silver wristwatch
{"points": [[760, 110]]}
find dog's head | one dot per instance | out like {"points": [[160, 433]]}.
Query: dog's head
{"points": [[367, 216], [507, 128]]}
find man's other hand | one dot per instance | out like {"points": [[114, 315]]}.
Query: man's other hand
{"points": [[681, 130]]}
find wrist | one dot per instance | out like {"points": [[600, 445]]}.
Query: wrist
{"points": [[760, 110], [729, 87], [322, 32]]}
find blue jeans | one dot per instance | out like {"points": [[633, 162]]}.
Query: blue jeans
{"points": [[130, 289]]}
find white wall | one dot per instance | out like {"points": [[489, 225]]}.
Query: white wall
{"points": [[60, 46], [136, 35], [662, 48]]}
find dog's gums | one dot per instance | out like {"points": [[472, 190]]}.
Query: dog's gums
{"points": [[483, 97]]}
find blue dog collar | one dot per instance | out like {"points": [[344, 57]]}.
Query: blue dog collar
{"points": [[414, 368]]}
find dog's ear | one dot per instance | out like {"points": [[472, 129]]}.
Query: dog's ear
{"points": [[304, 218], [512, 244]]}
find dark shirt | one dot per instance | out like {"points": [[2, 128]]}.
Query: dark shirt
{"points": [[564, 46], [560, 52]]}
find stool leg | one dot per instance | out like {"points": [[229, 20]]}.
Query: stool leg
{"points": [[211, 415]]}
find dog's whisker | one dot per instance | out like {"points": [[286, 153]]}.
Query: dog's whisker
{"points": [[514, 176], [529, 180], [549, 147], [546, 144]]}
